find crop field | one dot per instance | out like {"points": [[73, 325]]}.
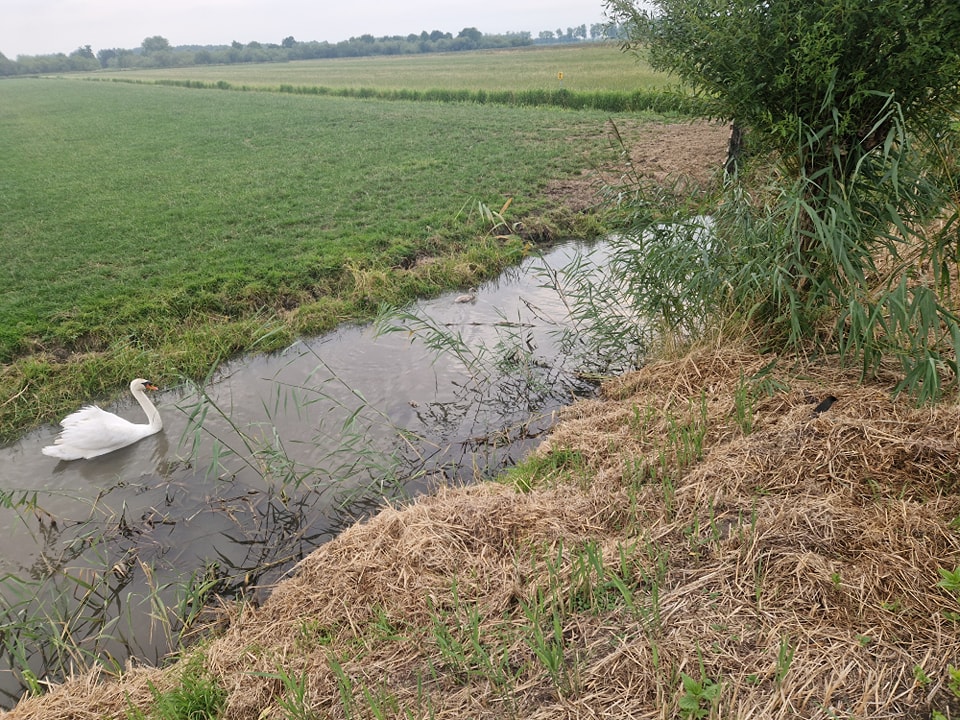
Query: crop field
{"points": [[154, 229], [585, 67]]}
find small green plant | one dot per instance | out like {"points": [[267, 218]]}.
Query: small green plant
{"points": [[749, 390], [920, 677], [686, 438], [382, 628], [549, 646], [539, 470], [699, 697], [344, 686], [494, 219], [294, 701], [744, 404], [594, 587], [950, 581], [381, 702], [681, 446], [453, 652], [311, 632], [661, 471], [640, 422], [785, 654], [197, 697], [953, 680], [467, 648], [652, 574]]}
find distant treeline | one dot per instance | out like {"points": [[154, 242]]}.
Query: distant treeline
{"points": [[662, 101], [156, 51]]}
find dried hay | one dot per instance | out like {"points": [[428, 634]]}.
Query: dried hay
{"points": [[93, 696], [828, 531], [795, 565]]}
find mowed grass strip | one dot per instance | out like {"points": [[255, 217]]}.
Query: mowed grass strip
{"points": [[150, 229], [586, 67]]}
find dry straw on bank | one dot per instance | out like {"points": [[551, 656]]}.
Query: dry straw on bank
{"points": [[785, 562]]}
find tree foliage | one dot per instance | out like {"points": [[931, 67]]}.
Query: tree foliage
{"points": [[156, 43], [782, 65], [156, 51], [850, 108]]}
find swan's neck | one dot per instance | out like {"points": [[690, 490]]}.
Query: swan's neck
{"points": [[153, 415]]}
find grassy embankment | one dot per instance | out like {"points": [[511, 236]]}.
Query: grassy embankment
{"points": [[154, 230], [697, 544]]}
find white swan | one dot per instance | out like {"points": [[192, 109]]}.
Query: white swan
{"points": [[469, 297], [90, 431]]}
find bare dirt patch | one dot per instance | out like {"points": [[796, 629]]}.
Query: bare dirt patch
{"points": [[665, 154]]}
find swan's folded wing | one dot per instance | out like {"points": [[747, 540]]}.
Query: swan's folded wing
{"points": [[88, 413], [94, 429]]}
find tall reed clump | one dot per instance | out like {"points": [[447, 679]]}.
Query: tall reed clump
{"points": [[858, 261], [837, 230]]}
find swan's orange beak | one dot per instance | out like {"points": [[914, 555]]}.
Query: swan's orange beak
{"points": [[150, 386]]}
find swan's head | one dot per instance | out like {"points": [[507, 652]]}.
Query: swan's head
{"points": [[141, 384]]}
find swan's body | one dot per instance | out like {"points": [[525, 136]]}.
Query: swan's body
{"points": [[90, 431], [468, 297]]}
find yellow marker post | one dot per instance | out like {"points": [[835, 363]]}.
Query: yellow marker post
{"points": [[560, 78]]}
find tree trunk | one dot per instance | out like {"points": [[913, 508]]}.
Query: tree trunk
{"points": [[734, 150]]}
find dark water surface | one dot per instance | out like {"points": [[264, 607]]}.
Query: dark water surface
{"points": [[273, 456]]}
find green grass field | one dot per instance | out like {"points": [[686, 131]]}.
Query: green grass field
{"points": [[585, 67], [148, 229]]}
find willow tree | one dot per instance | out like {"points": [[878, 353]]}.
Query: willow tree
{"points": [[850, 238]]}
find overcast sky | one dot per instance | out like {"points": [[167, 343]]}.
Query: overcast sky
{"points": [[42, 27]]}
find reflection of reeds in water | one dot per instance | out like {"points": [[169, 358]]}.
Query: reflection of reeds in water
{"points": [[108, 587], [73, 609]]}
